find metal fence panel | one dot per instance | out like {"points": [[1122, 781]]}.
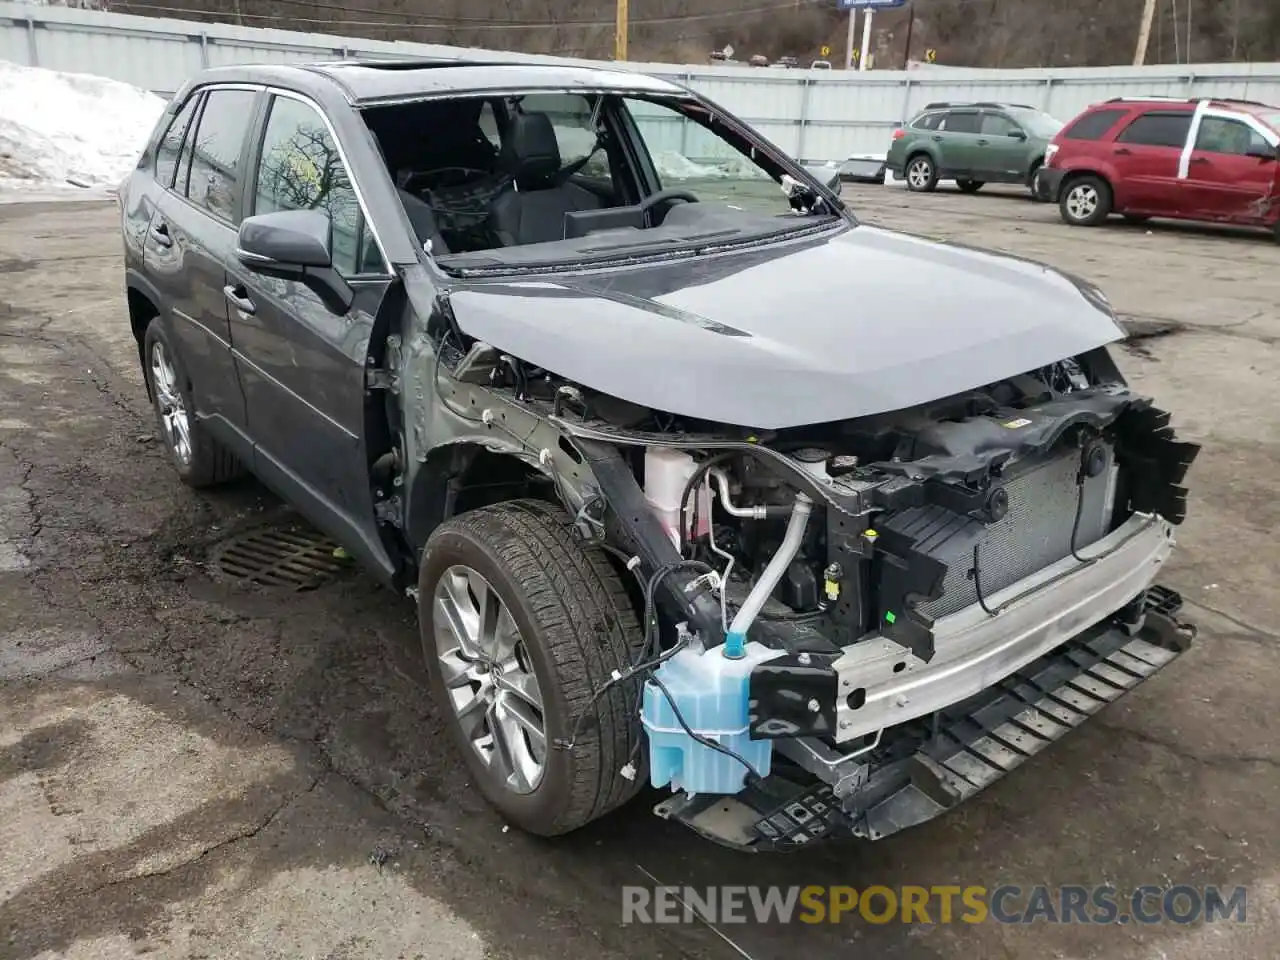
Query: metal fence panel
{"points": [[814, 115]]}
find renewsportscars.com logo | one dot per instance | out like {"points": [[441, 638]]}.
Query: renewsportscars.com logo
{"points": [[1007, 903]]}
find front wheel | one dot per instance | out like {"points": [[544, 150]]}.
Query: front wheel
{"points": [[1086, 201], [970, 186], [922, 175], [522, 624]]}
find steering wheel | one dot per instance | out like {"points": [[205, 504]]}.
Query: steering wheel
{"points": [[663, 196]]}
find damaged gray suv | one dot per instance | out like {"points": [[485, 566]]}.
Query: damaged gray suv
{"points": [[627, 402]]}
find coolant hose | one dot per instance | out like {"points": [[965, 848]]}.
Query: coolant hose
{"points": [[735, 641]]}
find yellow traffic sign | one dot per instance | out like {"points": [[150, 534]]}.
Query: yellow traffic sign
{"points": [[931, 55], [826, 51]]}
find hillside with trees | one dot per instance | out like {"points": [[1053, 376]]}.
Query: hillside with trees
{"points": [[987, 33]]}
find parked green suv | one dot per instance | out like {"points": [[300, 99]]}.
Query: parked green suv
{"points": [[973, 144]]}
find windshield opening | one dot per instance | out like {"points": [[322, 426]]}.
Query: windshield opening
{"points": [[1038, 123], [545, 177]]}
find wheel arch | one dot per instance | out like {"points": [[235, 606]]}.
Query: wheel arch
{"points": [[143, 301], [467, 474]]}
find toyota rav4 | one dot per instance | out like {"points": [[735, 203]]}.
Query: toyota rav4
{"points": [[680, 491]]}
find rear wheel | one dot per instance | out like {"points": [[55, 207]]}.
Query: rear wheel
{"points": [[522, 623], [922, 175], [200, 460], [970, 186], [1086, 201]]}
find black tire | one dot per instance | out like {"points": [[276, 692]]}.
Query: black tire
{"points": [[970, 186], [1074, 205], [925, 177], [577, 625], [203, 462], [1031, 177]]}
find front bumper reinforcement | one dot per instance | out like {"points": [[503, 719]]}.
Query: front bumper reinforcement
{"points": [[929, 765]]}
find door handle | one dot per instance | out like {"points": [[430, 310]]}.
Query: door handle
{"points": [[160, 234], [238, 297], [1199, 160], [982, 142], [1122, 151], [937, 138]]}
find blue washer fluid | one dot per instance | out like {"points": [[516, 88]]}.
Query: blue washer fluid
{"points": [[711, 692]]}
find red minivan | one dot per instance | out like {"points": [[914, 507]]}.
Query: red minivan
{"points": [[1216, 160]]}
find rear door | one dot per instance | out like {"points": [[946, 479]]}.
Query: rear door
{"points": [[193, 235], [1146, 155], [959, 155], [1223, 182], [1002, 149], [302, 365]]}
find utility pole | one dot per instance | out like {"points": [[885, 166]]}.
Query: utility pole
{"points": [[865, 54], [911, 22], [620, 32], [848, 38], [1144, 33]]}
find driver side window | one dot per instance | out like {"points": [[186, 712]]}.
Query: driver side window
{"points": [[300, 169]]}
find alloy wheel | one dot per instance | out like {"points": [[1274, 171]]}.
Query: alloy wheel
{"points": [[173, 411], [1082, 201], [918, 174], [489, 677]]}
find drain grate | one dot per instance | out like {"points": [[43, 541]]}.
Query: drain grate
{"points": [[294, 557]]}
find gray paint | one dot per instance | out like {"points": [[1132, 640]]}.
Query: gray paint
{"points": [[858, 322]]}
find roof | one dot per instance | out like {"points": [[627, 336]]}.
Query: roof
{"points": [[1222, 103], [376, 81]]}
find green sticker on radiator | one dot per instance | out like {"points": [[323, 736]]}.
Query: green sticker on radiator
{"points": [[889, 617]]}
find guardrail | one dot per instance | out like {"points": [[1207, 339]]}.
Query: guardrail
{"points": [[814, 115]]}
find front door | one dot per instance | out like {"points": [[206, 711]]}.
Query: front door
{"points": [[1233, 174], [302, 366], [1002, 150], [1145, 156]]}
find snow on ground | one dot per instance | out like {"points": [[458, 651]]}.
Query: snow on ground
{"points": [[61, 133]]}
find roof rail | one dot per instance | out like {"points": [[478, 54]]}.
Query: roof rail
{"points": [[977, 103], [1155, 99]]}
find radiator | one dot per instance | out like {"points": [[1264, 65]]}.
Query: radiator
{"points": [[1034, 533]]}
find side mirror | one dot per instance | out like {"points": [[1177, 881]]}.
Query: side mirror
{"points": [[295, 245], [1264, 153], [1018, 134]]}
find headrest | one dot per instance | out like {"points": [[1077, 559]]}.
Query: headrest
{"points": [[530, 152]]}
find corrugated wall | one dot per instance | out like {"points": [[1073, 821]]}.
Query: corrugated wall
{"points": [[814, 115]]}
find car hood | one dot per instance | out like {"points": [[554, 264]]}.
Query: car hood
{"points": [[856, 322]]}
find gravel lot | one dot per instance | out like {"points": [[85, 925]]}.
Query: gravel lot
{"points": [[194, 768]]}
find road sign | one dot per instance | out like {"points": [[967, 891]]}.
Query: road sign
{"points": [[869, 4], [826, 51], [931, 55]]}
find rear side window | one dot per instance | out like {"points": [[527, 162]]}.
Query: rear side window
{"points": [[1093, 125], [1158, 130], [171, 143], [927, 122], [215, 159], [960, 123]]}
